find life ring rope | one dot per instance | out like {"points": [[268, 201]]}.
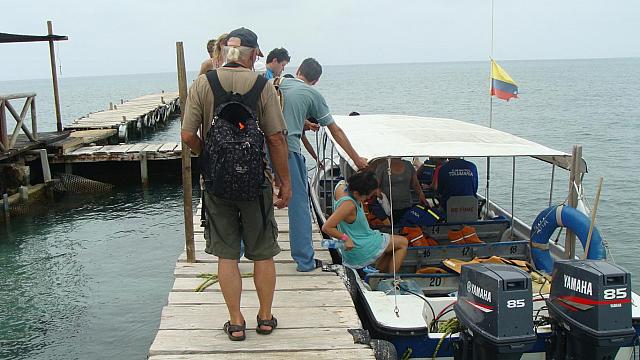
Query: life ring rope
{"points": [[562, 216]]}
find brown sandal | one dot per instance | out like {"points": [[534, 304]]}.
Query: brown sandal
{"points": [[230, 329], [273, 323]]}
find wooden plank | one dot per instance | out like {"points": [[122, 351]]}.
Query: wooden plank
{"points": [[87, 150], [282, 257], [281, 212], [168, 147], [208, 317], [343, 354], [135, 148], [293, 299], [121, 149], [192, 270], [108, 149], [166, 156], [67, 145], [177, 342], [16, 96], [283, 283], [153, 147]]}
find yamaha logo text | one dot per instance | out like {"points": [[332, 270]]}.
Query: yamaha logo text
{"points": [[478, 291], [581, 286]]}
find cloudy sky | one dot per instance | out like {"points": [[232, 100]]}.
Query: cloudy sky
{"points": [[125, 37]]}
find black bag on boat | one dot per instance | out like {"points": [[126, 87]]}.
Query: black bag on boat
{"points": [[232, 162]]}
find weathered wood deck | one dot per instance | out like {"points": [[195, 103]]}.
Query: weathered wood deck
{"points": [[121, 152], [314, 312], [23, 144], [131, 116]]}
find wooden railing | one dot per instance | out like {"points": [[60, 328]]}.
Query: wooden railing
{"points": [[8, 140]]}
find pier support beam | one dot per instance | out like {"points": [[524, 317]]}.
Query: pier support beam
{"points": [[186, 161], [144, 169], [54, 75], [44, 162]]}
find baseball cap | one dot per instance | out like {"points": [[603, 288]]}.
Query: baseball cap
{"points": [[247, 38]]}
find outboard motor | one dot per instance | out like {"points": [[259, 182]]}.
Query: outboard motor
{"points": [[590, 310], [495, 310]]}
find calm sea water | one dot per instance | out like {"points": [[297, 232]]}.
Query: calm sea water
{"points": [[87, 279]]}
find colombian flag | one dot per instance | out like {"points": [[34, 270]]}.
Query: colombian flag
{"points": [[502, 85]]}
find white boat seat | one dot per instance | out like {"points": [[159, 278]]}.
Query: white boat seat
{"points": [[462, 209]]}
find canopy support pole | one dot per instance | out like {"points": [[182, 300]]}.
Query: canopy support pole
{"points": [[486, 191], [513, 197], [490, 118], [553, 176], [575, 179], [54, 75]]}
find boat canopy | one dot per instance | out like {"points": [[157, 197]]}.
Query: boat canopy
{"points": [[381, 136], [15, 38]]}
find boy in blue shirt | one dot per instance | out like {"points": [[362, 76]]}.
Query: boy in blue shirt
{"points": [[277, 59]]}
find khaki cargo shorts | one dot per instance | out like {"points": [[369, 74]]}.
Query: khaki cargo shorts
{"points": [[230, 222]]}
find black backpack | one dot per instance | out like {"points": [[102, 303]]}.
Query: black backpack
{"points": [[233, 160]]}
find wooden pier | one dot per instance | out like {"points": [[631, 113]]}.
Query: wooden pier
{"points": [[314, 311], [131, 117], [120, 152], [142, 153]]}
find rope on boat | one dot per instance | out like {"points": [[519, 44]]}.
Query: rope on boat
{"points": [[448, 327]]}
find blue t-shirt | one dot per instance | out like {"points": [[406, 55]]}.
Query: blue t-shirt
{"points": [[301, 101], [457, 177], [268, 74]]}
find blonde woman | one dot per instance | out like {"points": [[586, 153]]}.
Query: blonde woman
{"points": [[216, 54]]}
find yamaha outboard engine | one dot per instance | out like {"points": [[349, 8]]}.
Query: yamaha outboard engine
{"points": [[590, 310], [495, 310]]}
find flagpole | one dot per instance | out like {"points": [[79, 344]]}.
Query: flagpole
{"points": [[490, 113]]}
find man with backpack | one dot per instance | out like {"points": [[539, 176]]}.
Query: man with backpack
{"points": [[241, 114], [302, 101]]}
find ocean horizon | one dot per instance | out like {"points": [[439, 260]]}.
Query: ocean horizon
{"points": [[295, 65]]}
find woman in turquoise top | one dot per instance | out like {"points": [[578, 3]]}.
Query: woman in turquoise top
{"points": [[362, 245]]}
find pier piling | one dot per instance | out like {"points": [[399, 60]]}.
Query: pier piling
{"points": [[186, 161], [54, 75], [144, 169]]}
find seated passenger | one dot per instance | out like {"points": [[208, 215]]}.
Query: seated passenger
{"points": [[456, 177], [362, 245], [403, 180], [428, 172]]}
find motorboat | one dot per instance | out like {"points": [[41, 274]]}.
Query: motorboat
{"points": [[515, 294]]}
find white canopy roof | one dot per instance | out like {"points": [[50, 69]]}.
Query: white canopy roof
{"points": [[379, 136]]}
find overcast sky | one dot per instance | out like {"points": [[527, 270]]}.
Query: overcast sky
{"points": [[125, 37]]}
